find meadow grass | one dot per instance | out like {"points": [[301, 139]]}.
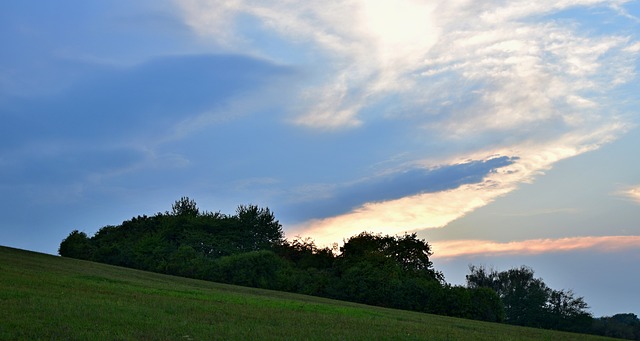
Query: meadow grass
{"points": [[45, 297]]}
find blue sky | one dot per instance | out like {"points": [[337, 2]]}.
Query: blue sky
{"points": [[503, 132]]}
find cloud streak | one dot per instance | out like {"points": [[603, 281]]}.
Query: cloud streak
{"points": [[392, 185], [461, 248]]}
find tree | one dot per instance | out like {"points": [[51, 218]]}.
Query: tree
{"points": [[413, 255], [567, 312], [185, 207], [408, 252], [524, 296], [529, 302], [258, 228], [76, 245], [480, 277]]}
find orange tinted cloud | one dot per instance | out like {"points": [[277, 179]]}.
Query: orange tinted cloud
{"points": [[437, 209], [457, 248]]}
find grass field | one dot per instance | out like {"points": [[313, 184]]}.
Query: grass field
{"points": [[54, 298]]}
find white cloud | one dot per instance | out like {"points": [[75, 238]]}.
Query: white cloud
{"points": [[378, 47], [373, 45], [631, 193], [494, 72]]}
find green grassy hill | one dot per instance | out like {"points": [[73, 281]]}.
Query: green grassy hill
{"points": [[48, 297]]}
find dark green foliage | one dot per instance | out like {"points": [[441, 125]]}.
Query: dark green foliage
{"points": [[184, 242], [624, 326], [524, 297], [76, 245], [258, 228], [304, 254], [486, 305], [185, 207], [260, 269], [369, 282], [407, 252], [395, 271], [564, 311]]}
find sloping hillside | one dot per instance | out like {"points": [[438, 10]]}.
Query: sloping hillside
{"points": [[49, 297]]}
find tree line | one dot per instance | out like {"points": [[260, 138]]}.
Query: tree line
{"points": [[249, 248]]}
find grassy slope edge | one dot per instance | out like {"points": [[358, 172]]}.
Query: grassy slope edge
{"points": [[49, 297]]}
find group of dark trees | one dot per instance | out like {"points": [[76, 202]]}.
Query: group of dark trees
{"points": [[529, 302], [624, 326], [249, 248]]}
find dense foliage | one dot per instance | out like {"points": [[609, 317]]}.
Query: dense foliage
{"points": [[249, 248], [624, 326]]}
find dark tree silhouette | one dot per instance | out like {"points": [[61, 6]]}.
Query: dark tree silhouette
{"points": [[185, 207], [529, 302], [76, 245]]}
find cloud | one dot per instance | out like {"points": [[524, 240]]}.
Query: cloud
{"points": [[437, 209], [377, 48], [631, 193], [504, 75], [461, 248], [331, 200], [369, 45]]}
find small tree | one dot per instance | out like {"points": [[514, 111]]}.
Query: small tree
{"points": [[76, 245], [185, 207], [258, 228]]}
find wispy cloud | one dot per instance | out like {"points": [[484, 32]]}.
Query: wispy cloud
{"points": [[502, 74], [530, 69], [373, 47], [460, 248], [631, 193]]}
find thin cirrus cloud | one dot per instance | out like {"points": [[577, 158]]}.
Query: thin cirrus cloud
{"points": [[514, 77]]}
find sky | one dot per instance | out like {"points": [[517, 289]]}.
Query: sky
{"points": [[505, 133]]}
